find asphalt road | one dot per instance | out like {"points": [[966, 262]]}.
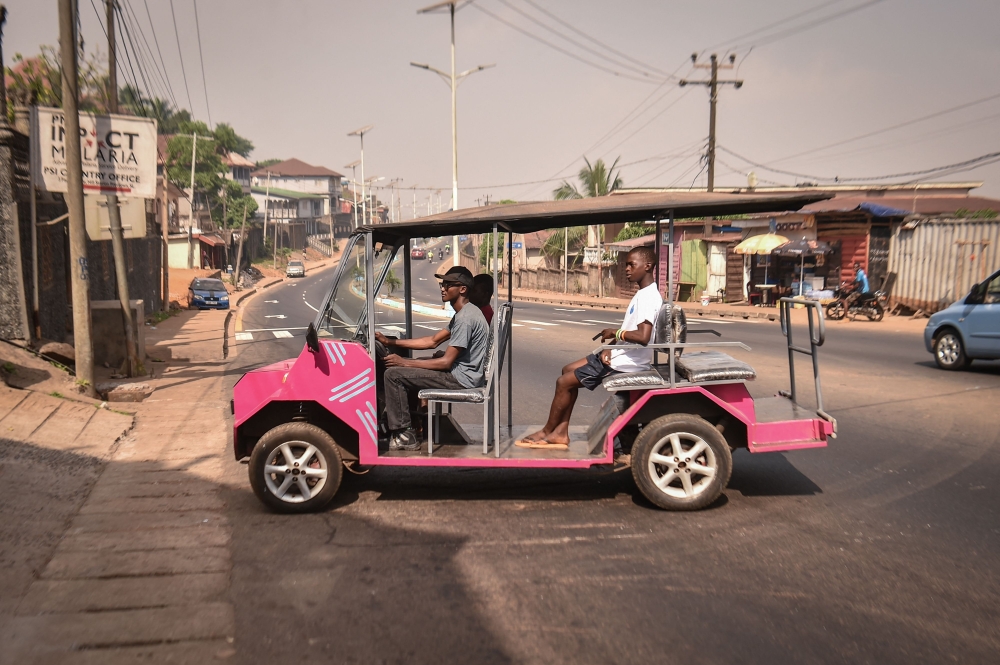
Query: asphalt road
{"points": [[882, 548]]}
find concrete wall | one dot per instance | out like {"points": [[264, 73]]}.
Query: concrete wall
{"points": [[180, 249], [108, 331]]}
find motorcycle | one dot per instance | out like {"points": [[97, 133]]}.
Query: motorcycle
{"points": [[430, 257], [852, 304]]}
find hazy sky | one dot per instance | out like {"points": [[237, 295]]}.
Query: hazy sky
{"points": [[296, 76]]}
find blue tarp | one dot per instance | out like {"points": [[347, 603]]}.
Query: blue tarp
{"points": [[882, 211]]}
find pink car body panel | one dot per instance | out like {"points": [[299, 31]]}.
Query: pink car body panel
{"points": [[341, 377]]}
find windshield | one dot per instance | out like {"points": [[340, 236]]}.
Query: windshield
{"points": [[345, 310], [296, 264], [208, 285]]}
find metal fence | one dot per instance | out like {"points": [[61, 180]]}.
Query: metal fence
{"points": [[937, 261]]}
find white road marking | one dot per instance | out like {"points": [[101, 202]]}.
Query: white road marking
{"points": [[275, 316], [420, 325], [604, 323], [281, 333], [577, 323], [244, 336], [537, 328], [711, 321], [422, 279], [539, 323], [517, 325], [393, 328], [253, 330], [271, 301], [561, 309], [309, 306]]}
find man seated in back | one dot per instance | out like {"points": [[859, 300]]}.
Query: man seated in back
{"points": [[482, 293], [461, 365], [589, 372]]}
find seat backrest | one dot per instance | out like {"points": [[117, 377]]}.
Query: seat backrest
{"points": [[503, 328], [670, 325]]}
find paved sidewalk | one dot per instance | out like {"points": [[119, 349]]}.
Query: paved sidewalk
{"points": [[142, 572]]}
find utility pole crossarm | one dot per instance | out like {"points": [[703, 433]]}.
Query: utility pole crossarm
{"points": [[713, 85]]}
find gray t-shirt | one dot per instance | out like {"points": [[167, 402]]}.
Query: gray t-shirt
{"points": [[469, 332]]}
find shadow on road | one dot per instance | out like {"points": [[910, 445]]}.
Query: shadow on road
{"points": [[769, 474]]}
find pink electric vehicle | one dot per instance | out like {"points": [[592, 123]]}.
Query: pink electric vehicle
{"points": [[301, 420]]}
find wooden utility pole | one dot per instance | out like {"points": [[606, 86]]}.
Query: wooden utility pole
{"points": [[115, 216], [713, 85], [165, 231], [79, 279]]}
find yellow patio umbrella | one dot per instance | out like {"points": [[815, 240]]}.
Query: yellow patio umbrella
{"points": [[764, 243]]}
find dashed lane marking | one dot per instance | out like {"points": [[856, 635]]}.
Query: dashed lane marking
{"points": [[562, 309], [244, 337], [281, 333], [536, 328], [517, 325], [253, 330], [576, 323], [604, 323], [539, 323], [420, 325], [393, 328]]}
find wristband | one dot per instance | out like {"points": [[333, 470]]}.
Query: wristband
{"points": [[620, 335]]}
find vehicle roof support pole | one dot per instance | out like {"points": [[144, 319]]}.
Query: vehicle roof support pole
{"points": [[370, 290], [495, 389], [670, 258], [407, 293], [510, 334], [657, 244]]}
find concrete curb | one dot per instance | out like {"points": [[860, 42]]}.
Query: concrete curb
{"points": [[426, 310], [574, 303]]}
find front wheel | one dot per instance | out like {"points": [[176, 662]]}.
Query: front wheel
{"points": [[949, 353], [295, 468], [875, 312], [681, 462], [836, 310]]}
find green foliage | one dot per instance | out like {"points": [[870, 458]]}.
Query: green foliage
{"points": [[264, 163], [505, 202], [556, 243], [633, 230], [227, 139], [236, 202], [56, 393], [392, 282], [985, 213], [596, 179], [10, 368], [38, 80], [486, 252]]}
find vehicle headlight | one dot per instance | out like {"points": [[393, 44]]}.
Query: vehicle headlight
{"points": [[198, 297]]}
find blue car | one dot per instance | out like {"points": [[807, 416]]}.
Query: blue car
{"points": [[969, 329], [207, 294]]}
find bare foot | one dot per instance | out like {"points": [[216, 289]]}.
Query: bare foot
{"points": [[531, 440]]}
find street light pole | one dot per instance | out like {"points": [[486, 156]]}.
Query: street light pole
{"points": [[453, 80], [360, 133], [354, 186]]}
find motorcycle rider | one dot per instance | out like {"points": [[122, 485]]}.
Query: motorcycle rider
{"points": [[862, 289]]}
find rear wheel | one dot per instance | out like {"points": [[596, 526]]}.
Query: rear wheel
{"points": [[876, 311], [949, 353], [681, 462], [295, 468], [836, 310]]}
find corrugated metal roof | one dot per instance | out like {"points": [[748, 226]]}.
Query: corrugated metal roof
{"points": [[528, 217], [919, 205], [295, 168]]}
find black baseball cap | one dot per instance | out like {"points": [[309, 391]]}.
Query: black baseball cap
{"points": [[459, 275]]}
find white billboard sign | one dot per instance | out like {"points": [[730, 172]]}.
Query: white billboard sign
{"points": [[119, 153]]}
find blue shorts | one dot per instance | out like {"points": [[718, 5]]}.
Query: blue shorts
{"points": [[594, 372]]}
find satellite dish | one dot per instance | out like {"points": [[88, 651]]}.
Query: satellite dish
{"points": [[752, 180]]}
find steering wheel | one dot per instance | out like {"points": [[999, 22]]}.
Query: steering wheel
{"points": [[381, 350]]}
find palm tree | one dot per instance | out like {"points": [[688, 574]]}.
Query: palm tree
{"points": [[596, 179]]}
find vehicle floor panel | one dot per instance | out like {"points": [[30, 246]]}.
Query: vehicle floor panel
{"points": [[776, 409], [578, 447]]}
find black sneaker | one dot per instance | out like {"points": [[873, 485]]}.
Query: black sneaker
{"points": [[404, 440]]}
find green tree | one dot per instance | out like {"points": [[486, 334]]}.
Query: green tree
{"points": [[486, 252], [38, 80], [633, 230], [264, 163], [555, 244], [595, 179], [227, 139], [235, 202]]}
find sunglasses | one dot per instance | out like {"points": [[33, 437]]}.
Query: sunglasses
{"points": [[448, 285]]}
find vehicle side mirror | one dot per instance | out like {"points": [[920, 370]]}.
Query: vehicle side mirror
{"points": [[312, 339], [975, 296]]}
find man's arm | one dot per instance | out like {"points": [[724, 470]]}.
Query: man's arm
{"points": [[418, 344], [442, 364], [640, 336]]}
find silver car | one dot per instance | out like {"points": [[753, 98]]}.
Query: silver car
{"points": [[295, 269]]}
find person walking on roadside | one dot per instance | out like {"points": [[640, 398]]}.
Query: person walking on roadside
{"points": [[637, 328], [461, 366]]}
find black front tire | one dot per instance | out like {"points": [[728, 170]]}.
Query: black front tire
{"points": [[681, 462], [836, 310], [296, 468], [877, 312]]}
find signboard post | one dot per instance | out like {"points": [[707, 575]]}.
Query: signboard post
{"points": [[118, 153]]}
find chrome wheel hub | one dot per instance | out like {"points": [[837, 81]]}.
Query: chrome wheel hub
{"points": [[682, 465], [948, 349], [295, 471]]}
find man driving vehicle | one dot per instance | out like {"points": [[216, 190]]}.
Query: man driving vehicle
{"points": [[589, 372], [461, 365]]}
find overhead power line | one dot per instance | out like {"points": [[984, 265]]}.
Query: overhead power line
{"points": [[642, 71], [982, 160], [177, 35], [598, 42], [158, 65], [201, 58], [561, 49], [775, 24], [799, 29], [159, 53]]}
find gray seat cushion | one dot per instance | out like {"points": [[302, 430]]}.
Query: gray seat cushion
{"points": [[713, 366], [465, 395], [657, 377]]}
